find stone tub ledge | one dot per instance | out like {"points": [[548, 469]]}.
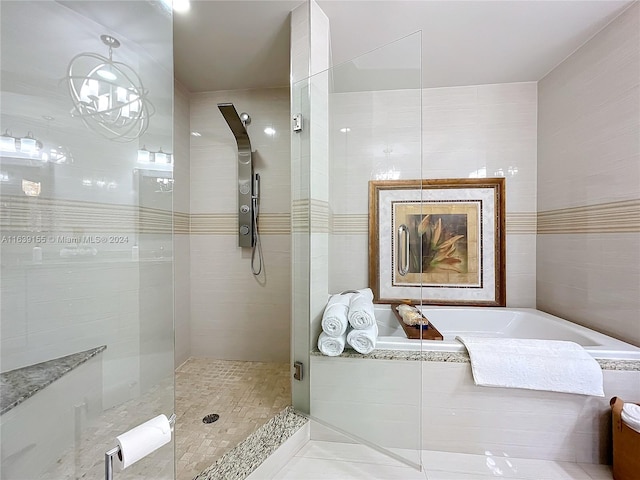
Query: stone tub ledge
{"points": [[460, 357], [22, 383]]}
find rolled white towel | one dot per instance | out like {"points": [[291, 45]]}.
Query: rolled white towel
{"points": [[630, 415], [363, 340], [331, 346], [361, 313], [335, 317]]}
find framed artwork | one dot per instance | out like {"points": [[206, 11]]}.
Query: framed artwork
{"points": [[439, 242]]}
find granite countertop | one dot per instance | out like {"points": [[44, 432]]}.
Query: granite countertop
{"points": [[460, 357], [243, 459], [19, 384]]}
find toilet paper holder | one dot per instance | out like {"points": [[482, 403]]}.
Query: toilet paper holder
{"points": [[110, 455]]}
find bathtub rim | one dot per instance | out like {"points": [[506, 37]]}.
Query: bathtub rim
{"points": [[610, 348]]}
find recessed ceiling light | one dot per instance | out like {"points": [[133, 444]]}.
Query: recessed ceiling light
{"points": [[181, 6], [196, 134]]}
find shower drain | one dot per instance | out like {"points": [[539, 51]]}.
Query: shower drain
{"points": [[212, 417]]}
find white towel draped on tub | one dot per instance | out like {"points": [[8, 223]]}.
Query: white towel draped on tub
{"points": [[335, 317], [553, 365], [363, 340], [331, 346], [361, 314]]}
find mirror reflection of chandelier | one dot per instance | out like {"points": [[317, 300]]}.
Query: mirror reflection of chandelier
{"points": [[150, 160], [108, 96]]}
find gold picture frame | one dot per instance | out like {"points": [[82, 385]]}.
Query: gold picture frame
{"points": [[439, 242]]}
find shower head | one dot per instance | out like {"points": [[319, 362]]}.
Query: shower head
{"points": [[237, 126], [246, 180], [234, 121]]}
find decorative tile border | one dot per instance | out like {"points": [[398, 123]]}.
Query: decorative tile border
{"points": [[227, 224], [29, 215], [521, 223], [614, 217], [319, 216], [181, 223], [300, 216], [350, 224], [26, 215], [309, 215]]}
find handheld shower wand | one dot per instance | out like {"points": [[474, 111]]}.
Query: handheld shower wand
{"points": [[257, 246]]}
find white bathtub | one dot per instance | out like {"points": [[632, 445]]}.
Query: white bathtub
{"points": [[496, 322], [434, 404]]}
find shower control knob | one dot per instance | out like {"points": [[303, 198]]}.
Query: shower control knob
{"points": [[244, 230], [244, 209], [245, 188]]}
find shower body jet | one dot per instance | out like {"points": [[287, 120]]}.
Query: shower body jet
{"points": [[246, 182]]}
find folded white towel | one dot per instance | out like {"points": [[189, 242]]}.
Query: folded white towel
{"points": [[331, 346], [631, 416], [363, 340], [335, 317], [361, 313], [552, 365]]}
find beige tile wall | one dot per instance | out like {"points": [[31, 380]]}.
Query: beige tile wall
{"points": [[235, 315], [484, 130], [459, 416], [436, 406], [588, 249]]}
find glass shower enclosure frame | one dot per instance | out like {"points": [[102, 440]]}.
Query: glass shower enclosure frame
{"points": [[361, 122], [86, 210]]}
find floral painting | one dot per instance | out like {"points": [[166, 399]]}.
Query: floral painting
{"points": [[437, 241], [441, 244]]}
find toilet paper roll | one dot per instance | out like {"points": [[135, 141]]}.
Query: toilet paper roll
{"points": [[142, 440]]}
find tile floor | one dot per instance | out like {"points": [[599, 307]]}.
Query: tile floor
{"points": [[344, 461], [85, 457], [245, 395]]}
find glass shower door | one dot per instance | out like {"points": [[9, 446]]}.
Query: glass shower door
{"points": [[361, 128], [86, 218]]}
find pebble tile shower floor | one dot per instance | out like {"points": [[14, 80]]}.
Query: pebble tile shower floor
{"points": [[245, 395]]}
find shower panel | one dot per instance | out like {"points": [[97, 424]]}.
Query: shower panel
{"points": [[247, 191]]}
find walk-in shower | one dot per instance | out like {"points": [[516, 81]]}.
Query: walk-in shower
{"points": [[248, 185]]}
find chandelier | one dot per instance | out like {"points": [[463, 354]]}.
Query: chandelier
{"points": [[108, 96]]}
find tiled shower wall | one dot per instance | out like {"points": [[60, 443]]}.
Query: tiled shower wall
{"points": [[235, 315], [588, 253], [472, 131]]}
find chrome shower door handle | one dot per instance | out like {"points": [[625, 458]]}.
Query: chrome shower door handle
{"points": [[403, 267]]}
